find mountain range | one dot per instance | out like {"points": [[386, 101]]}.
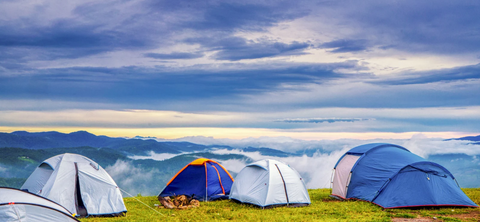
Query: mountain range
{"points": [[144, 166]]}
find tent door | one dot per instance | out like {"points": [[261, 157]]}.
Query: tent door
{"points": [[284, 185], [219, 179], [342, 174], [80, 207]]}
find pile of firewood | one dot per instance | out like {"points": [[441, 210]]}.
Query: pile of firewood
{"points": [[178, 202]]}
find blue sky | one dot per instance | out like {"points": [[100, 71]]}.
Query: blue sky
{"points": [[230, 69]]}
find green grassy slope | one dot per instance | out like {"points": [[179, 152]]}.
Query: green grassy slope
{"points": [[323, 208]]}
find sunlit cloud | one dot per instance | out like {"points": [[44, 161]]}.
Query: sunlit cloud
{"points": [[115, 118], [134, 180], [374, 120]]}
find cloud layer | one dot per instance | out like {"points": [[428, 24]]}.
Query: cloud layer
{"points": [[317, 167], [250, 58]]}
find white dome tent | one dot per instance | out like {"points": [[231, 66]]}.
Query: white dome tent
{"points": [[268, 183], [79, 184], [17, 205]]}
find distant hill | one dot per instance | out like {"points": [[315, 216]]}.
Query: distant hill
{"points": [[474, 139], [48, 140]]}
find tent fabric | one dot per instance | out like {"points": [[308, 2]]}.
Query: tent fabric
{"points": [[17, 205], [77, 183], [391, 176], [269, 183], [204, 179], [342, 176]]}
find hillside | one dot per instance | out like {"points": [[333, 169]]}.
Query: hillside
{"points": [[323, 208], [149, 164], [135, 146]]}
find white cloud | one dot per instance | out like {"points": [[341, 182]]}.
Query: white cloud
{"points": [[132, 179], [282, 143], [233, 165], [419, 144], [253, 155], [316, 170], [429, 146], [154, 156]]}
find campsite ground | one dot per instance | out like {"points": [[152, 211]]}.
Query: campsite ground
{"points": [[323, 208]]}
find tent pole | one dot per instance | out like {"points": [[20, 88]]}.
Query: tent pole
{"points": [[348, 183], [331, 178], [206, 182], [284, 185], [456, 182]]}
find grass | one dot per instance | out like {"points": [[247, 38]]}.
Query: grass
{"points": [[323, 208]]}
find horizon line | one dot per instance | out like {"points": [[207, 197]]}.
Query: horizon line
{"points": [[175, 133]]}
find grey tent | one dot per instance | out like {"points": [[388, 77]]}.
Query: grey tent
{"points": [[17, 205], [77, 183], [268, 183]]}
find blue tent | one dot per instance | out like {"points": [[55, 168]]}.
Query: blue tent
{"points": [[392, 177], [204, 179]]}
